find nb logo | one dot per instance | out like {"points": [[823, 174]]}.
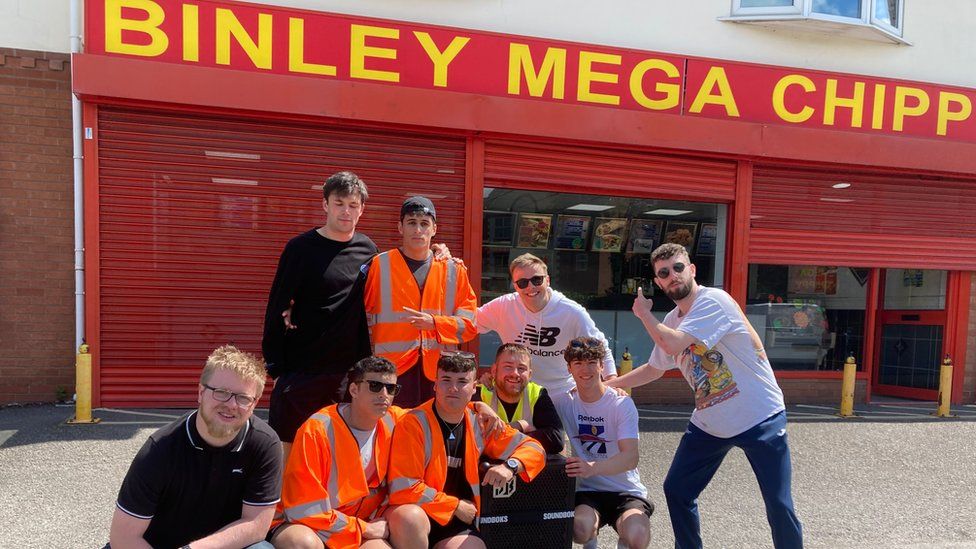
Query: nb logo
{"points": [[538, 337], [504, 491]]}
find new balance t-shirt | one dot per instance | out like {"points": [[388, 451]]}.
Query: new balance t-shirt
{"points": [[734, 385], [594, 428]]}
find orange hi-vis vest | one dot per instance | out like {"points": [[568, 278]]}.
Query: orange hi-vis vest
{"points": [[447, 296], [325, 487], [419, 472]]}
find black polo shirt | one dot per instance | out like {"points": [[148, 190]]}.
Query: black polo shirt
{"points": [[189, 489]]}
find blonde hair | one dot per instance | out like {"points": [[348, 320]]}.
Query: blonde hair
{"points": [[232, 359], [527, 260]]}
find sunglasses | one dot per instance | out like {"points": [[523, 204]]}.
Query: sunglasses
{"points": [[536, 280], [586, 344], [463, 354], [665, 272], [223, 395], [376, 386]]}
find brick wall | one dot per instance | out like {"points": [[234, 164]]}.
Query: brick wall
{"points": [[824, 392], [36, 227]]}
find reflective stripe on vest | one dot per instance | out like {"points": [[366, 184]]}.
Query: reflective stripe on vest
{"points": [[525, 406], [451, 288], [386, 284], [333, 486], [339, 525]]}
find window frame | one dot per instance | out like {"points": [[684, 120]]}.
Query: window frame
{"points": [[803, 10], [896, 30], [739, 11]]}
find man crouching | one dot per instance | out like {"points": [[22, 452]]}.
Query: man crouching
{"points": [[335, 478], [438, 446]]}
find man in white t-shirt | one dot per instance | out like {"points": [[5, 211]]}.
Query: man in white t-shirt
{"points": [[737, 400], [603, 433], [543, 320]]}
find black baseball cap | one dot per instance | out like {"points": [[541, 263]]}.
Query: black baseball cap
{"points": [[417, 204]]}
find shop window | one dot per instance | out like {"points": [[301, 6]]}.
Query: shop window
{"points": [[915, 289], [809, 317], [880, 19], [598, 250]]}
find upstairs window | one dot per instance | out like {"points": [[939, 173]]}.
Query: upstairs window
{"points": [[876, 19]]}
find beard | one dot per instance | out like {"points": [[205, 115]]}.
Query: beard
{"points": [[679, 292], [217, 429], [510, 390]]}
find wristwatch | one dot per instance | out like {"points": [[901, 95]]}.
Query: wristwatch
{"points": [[512, 464]]}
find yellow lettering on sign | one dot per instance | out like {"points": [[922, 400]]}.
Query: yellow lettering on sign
{"points": [[672, 92], [115, 24], [191, 32], [779, 98], [877, 112], [715, 79], [587, 76], [359, 51], [553, 67], [832, 102], [296, 51], [947, 115], [902, 93], [228, 25], [441, 59]]}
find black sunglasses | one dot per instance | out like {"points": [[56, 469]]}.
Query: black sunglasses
{"points": [[536, 280], [223, 395], [376, 386], [665, 272]]}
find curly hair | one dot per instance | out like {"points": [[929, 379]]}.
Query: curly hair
{"points": [[375, 364], [585, 349], [667, 251]]}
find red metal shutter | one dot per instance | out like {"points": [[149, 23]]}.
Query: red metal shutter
{"points": [[194, 212], [588, 170], [873, 220]]}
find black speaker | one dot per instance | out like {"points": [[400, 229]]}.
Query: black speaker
{"points": [[537, 514]]}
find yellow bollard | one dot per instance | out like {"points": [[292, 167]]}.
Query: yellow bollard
{"points": [[83, 388], [626, 364], [847, 388], [945, 388]]}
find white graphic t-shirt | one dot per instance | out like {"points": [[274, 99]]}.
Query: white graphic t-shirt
{"points": [[594, 429], [735, 388]]}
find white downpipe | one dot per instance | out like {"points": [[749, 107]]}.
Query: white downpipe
{"points": [[76, 142]]}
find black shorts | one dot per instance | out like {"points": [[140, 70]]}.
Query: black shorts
{"points": [[440, 533], [610, 505], [298, 395]]}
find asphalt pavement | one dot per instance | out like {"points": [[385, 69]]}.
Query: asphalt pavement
{"points": [[894, 478]]}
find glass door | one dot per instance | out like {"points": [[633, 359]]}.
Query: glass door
{"points": [[911, 334]]}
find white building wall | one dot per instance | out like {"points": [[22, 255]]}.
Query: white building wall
{"points": [[40, 25], [943, 50]]}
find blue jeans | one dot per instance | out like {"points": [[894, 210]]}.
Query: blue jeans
{"points": [[698, 457]]}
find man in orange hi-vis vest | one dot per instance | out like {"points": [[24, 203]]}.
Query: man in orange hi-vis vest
{"points": [[417, 307], [335, 479], [438, 446]]}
